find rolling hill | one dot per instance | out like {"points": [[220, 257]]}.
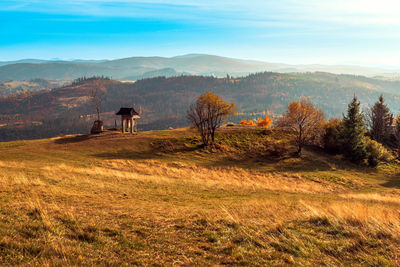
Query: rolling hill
{"points": [[8, 88], [134, 68], [116, 199], [163, 101]]}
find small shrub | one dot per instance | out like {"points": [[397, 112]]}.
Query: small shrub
{"points": [[372, 161], [247, 123], [331, 137], [377, 152], [266, 122]]}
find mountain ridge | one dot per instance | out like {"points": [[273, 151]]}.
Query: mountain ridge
{"points": [[194, 64]]}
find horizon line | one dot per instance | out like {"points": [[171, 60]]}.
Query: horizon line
{"points": [[388, 68]]}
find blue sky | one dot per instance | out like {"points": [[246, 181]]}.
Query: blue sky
{"points": [[291, 31]]}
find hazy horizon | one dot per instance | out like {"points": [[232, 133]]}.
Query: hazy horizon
{"points": [[388, 68], [359, 33]]}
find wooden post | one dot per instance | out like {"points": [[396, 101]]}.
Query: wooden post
{"points": [[132, 125], [122, 124], [135, 129]]}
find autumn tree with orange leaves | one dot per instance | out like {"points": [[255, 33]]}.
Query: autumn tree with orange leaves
{"points": [[305, 120], [207, 114]]}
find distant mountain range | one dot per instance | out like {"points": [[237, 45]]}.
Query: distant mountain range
{"points": [[135, 68]]}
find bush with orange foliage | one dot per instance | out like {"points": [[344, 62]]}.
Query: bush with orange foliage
{"points": [[248, 123], [266, 122]]}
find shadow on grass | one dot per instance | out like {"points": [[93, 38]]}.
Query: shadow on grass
{"points": [[153, 153], [392, 182], [189, 149], [108, 133], [302, 165], [287, 163], [316, 159], [73, 139]]}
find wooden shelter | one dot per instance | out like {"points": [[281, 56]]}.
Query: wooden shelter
{"points": [[128, 119]]}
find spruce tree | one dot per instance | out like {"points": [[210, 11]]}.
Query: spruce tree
{"points": [[352, 133], [397, 131], [380, 120]]}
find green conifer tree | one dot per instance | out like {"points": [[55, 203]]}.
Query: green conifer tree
{"points": [[380, 120], [352, 133]]}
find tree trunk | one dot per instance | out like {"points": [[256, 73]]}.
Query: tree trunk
{"points": [[299, 148], [98, 113], [203, 138], [299, 141], [212, 136]]}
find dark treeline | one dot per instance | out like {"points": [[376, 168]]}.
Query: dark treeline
{"points": [[82, 80]]}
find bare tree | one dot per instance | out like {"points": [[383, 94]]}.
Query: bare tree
{"points": [[207, 114], [305, 120], [96, 93]]}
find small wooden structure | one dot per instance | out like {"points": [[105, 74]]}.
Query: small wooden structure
{"points": [[128, 119], [97, 127]]}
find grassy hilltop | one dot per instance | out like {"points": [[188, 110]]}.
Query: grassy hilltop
{"points": [[157, 198]]}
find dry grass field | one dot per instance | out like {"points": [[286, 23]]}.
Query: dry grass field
{"points": [[156, 198]]}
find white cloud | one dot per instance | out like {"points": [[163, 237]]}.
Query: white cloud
{"points": [[352, 12]]}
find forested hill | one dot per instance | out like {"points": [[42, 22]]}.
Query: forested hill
{"points": [[163, 101]]}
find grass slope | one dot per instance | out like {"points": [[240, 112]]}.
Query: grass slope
{"points": [[157, 199]]}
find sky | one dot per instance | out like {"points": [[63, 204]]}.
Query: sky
{"points": [[350, 32]]}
